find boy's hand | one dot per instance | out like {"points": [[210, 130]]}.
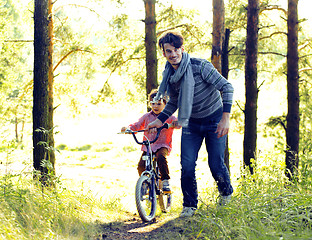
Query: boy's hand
{"points": [[125, 130]]}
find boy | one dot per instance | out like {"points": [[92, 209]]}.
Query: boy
{"points": [[162, 147]]}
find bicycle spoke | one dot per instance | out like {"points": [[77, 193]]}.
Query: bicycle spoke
{"points": [[145, 199]]}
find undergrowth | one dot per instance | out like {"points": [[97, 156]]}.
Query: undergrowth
{"points": [[264, 206], [29, 211]]}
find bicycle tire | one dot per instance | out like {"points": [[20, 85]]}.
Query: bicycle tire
{"points": [[165, 200], [145, 199]]}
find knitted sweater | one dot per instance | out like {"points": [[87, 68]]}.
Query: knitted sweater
{"points": [[165, 136], [209, 84]]}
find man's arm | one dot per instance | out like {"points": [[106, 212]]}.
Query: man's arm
{"points": [[155, 124], [211, 75], [170, 107]]}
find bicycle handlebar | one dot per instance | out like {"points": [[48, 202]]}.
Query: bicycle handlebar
{"points": [[145, 142]]}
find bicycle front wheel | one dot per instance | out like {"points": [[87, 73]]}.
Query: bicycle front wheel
{"points": [[145, 198]]}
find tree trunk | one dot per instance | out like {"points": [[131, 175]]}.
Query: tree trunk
{"points": [[292, 129], [251, 88], [41, 86], [217, 33], [150, 46], [217, 52], [50, 88], [225, 73], [225, 54]]}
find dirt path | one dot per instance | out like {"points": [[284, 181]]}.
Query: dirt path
{"points": [[167, 228]]}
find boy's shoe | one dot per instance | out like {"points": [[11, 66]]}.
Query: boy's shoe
{"points": [[188, 212], [166, 186], [224, 200], [144, 189]]}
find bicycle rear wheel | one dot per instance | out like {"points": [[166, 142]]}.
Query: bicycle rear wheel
{"points": [[165, 200], [145, 198]]}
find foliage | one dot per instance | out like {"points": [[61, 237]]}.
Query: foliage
{"points": [[263, 208], [270, 215], [101, 58], [28, 212], [305, 117], [129, 61], [15, 68], [74, 54], [275, 126]]}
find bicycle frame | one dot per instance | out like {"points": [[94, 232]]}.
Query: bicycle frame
{"points": [[148, 158], [148, 184]]}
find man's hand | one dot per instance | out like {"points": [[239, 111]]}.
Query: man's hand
{"points": [[174, 124], [153, 125], [224, 125]]}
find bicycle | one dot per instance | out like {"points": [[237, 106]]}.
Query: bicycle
{"points": [[149, 184]]}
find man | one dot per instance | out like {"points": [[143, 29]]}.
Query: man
{"points": [[195, 87]]}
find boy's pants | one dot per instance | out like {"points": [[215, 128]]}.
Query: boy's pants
{"points": [[161, 158]]}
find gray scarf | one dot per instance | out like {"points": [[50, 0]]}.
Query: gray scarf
{"points": [[186, 92]]}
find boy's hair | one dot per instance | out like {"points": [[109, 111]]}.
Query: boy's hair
{"points": [[173, 38], [153, 94]]}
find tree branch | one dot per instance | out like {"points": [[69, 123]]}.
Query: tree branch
{"points": [[305, 69], [76, 5], [240, 107], [274, 7], [304, 45], [70, 52], [272, 34], [274, 53], [304, 56], [18, 40], [258, 89], [168, 29]]}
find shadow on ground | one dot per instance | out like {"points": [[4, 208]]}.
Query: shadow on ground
{"points": [[136, 229]]}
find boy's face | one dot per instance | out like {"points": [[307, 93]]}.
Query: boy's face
{"points": [[173, 55], [157, 107]]}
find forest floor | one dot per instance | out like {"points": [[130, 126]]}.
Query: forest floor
{"points": [[117, 182], [104, 165]]}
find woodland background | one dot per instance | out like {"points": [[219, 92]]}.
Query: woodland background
{"points": [[100, 85]]}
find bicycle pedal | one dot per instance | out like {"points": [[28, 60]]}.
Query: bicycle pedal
{"points": [[167, 192]]}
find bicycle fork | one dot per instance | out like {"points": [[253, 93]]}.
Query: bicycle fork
{"points": [[150, 172]]}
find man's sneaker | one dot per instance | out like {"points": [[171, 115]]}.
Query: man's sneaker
{"points": [[165, 185], [224, 200], [188, 212]]}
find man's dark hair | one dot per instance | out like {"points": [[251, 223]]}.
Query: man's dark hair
{"points": [[173, 38]]}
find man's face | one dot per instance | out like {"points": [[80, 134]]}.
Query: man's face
{"points": [[173, 55]]}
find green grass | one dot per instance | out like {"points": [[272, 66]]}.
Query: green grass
{"points": [[30, 212], [264, 206]]}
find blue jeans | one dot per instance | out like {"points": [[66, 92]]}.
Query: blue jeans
{"points": [[192, 138]]}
